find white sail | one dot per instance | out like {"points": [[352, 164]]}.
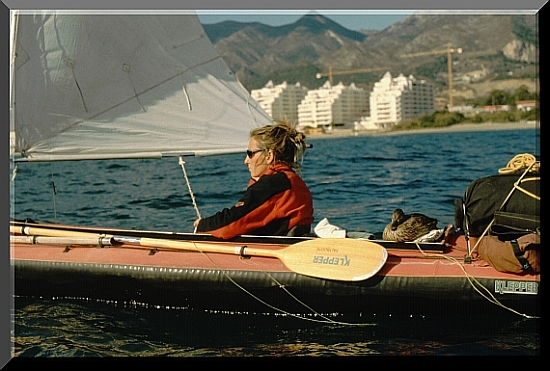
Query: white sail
{"points": [[98, 86]]}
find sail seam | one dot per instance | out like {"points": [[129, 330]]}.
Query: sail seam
{"points": [[179, 71], [129, 99], [70, 63], [126, 68]]}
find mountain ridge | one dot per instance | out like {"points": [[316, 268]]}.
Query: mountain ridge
{"points": [[493, 47]]}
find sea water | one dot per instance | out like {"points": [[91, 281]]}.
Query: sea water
{"points": [[356, 183]]}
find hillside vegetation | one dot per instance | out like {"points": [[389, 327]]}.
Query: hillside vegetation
{"points": [[495, 47], [496, 97]]}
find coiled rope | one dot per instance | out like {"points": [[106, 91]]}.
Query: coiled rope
{"points": [[519, 163]]}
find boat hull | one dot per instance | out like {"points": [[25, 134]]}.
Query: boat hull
{"points": [[412, 279]]}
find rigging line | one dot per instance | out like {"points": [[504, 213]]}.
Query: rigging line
{"points": [[466, 226], [326, 320], [54, 194], [471, 279], [520, 179], [184, 44], [182, 163], [14, 173], [247, 96], [530, 194], [283, 287]]}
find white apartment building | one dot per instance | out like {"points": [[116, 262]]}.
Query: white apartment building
{"points": [[280, 101], [331, 106], [393, 100]]}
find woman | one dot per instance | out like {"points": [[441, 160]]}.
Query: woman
{"points": [[277, 202]]}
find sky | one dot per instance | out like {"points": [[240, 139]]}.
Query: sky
{"points": [[356, 20], [354, 15]]}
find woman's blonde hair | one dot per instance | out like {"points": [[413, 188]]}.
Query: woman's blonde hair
{"points": [[284, 140]]}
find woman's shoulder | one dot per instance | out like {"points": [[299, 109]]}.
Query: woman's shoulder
{"points": [[276, 176]]}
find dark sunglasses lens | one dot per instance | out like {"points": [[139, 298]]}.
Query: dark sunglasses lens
{"points": [[251, 153]]}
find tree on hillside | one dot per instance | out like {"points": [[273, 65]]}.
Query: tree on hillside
{"points": [[499, 98], [522, 93]]}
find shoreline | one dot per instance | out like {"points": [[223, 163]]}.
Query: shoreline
{"points": [[487, 126]]}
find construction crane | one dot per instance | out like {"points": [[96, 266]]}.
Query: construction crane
{"points": [[449, 52], [332, 73]]}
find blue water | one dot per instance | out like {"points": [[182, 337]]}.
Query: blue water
{"points": [[356, 183]]}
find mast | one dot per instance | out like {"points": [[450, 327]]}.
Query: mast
{"points": [[14, 19]]}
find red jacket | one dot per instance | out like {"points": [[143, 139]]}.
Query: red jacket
{"points": [[271, 206]]}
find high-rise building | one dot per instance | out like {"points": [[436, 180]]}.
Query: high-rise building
{"points": [[280, 101], [393, 100], [331, 106]]}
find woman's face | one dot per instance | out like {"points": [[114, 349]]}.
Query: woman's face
{"points": [[260, 160]]}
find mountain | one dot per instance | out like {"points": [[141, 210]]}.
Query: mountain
{"points": [[255, 49], [493, 46]]}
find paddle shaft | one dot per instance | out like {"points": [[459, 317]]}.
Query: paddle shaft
{"points": [[148, 242], [48, 240], [51, 232], [336, 259], [341, 259], [198, 246]]}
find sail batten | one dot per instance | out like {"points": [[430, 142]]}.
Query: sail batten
{"points": [[123, 86]]}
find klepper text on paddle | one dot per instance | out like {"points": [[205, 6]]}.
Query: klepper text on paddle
{"points": [[320, 259]]}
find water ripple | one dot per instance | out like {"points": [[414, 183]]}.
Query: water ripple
{"points": [[356, 183]]}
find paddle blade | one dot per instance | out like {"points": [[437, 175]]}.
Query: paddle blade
{"points": [[335, 258]]}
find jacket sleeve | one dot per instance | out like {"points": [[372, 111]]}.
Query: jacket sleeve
{"points": [[254, 210]]}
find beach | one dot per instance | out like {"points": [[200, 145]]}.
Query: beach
{"points": [[486, 126]]}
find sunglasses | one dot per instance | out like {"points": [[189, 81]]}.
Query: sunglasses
{"points": [[250, 152]]}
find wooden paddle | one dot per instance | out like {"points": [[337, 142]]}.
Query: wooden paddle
{"points": [[330, 258], [54, 240], [51, 232], [340, 259]]}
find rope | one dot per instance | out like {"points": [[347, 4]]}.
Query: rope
{"points": [[530, 194], [182, 163], [54, 193], [519, 163], [14, 174], [473, 281], [282, 286], [516, 186]]}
